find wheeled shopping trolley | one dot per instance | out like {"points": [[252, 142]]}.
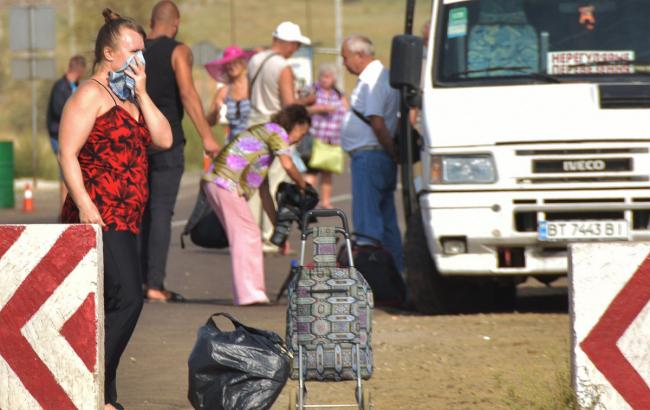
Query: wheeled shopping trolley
{"points": [[329, 316]]}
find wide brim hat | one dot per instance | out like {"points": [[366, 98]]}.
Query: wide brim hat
{"points": [[217, 68]]}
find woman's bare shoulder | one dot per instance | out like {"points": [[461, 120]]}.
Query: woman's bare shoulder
{"points": [[91, 97]]}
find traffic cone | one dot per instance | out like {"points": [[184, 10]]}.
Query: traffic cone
{"points": [[28, 198]]}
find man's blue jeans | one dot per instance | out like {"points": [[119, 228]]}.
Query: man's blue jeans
{"points": [[374, 178]]}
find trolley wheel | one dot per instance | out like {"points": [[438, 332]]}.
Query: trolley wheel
{"points": [[366, 400], [293, 399]]}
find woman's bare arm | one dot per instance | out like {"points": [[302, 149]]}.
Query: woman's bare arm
{"points": [[79, 115], [267, 201], [215, 107], [292, 171], [158, 125]]}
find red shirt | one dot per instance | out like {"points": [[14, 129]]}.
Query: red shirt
{"points": [[114, 167]]}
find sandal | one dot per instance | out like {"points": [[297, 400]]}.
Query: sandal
{"points": [[164, 296]]}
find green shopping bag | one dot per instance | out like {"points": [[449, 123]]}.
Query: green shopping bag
{"points": [[326, 157]]}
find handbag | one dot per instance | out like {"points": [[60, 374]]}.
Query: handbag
{"points": [[238, 370], [326, 157]]}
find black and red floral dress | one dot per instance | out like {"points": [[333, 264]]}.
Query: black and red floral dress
{"points": [[114, 167]]}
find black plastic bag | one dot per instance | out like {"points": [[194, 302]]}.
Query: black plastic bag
{"points": [[238, 370], [204, 227]]}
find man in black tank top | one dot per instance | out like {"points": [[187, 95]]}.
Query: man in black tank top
{"points": [[170, 85]]}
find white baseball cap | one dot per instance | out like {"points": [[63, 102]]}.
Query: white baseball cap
{"points": [[289, 31]]}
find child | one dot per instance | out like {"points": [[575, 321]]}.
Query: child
{"points": [[328, 109]]}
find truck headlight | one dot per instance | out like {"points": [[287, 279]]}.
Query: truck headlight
{"points": [[463, 169]]}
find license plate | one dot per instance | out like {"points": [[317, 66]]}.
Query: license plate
{"points": [[582, 230]]}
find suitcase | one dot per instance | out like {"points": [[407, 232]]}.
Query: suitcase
{"points": [[329, 314]]}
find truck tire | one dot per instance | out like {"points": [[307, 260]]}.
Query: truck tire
{"points": [[429, 292]]}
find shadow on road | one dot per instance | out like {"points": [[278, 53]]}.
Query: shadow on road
{"points": [[536, 299], [217, 302], [542, 300]]}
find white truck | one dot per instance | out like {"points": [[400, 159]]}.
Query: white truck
{"points": [[535, 134]]}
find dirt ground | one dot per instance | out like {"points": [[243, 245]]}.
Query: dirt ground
{"points": [[501, 361], [482, 361]]}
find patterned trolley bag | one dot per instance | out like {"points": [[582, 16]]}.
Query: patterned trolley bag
{"points": [[329, 314]]}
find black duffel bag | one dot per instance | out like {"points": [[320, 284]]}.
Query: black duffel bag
{"points": [[203, 226], [238, 370], [377, 266]]}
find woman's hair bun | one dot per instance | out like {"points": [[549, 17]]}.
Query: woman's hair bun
{"points": [[110, 15]]}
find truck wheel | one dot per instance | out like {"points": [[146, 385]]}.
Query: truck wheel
{"points": [[429, 292]]}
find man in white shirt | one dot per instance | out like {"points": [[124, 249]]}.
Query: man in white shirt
{"points": [[271, 83], [271, 76], [367, 136]]}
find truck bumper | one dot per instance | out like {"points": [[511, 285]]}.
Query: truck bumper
{"points": [[496, 242]]}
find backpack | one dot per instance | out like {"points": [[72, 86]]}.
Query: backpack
{"points": [[203, 226], [377, 266]]}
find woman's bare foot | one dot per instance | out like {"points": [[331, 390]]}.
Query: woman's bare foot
{"points": [[162, 295], [108, 406], [158, 295]]}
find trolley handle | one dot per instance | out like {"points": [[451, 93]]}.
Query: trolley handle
{"points": [[324, 213]]}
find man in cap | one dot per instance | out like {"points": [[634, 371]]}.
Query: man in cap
{"points": [[271, 84], [270, 75]]}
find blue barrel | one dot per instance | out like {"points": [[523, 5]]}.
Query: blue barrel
{"points": [[7, 174]]}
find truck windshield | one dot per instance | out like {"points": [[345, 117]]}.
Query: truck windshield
{"points": [[543, 40]]}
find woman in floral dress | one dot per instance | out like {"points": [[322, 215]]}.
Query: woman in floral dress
{"points": [[235, 175], [105, 131]]}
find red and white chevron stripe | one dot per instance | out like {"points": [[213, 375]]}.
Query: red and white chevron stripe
{"points": [[610, 309], [51, 317]]}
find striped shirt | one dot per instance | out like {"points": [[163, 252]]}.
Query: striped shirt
{"points": [[237, 114]]}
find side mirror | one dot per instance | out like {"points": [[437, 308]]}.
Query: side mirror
{"points": [[406, 62]]}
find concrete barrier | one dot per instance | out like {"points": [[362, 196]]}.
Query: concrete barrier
{"points": [[610, 314], [51, 317]]}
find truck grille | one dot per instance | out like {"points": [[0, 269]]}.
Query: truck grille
{"points": [[580, 179], [583, 151], [582, 165]]}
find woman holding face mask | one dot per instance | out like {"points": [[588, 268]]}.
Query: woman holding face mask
{"points": [[105, 130]]}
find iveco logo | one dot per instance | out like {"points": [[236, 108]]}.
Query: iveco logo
{"points": [[583, 165]]}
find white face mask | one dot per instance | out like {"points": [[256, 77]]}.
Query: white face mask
{"points": [[121, 83]]}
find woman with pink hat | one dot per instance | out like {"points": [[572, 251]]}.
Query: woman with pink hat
{"points": [[231, 70]]}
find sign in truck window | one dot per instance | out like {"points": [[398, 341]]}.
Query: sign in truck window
{"points": [[590, 62], [457, 23]]}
